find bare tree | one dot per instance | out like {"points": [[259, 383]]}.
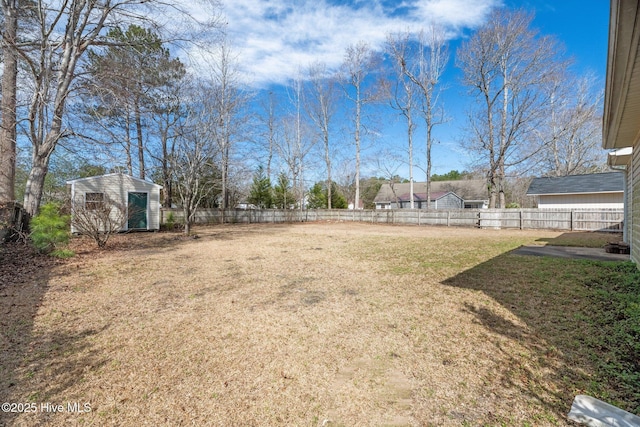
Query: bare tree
{"points": [[359, 61], [293, 147], [169, 115], [506, 66], [99, 218], [193, 162], [270, 134], [321, 106], [403, 98], [424, 68], [227, 101], [54, 57], [388, 164], [296, 140], [572, 133]]}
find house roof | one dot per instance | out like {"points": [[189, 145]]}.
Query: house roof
{"points": [[608, 182], [423, 196], [622, 93], [467, 189], [92, 178]]}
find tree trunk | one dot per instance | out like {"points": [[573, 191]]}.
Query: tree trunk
{"points": [[428, 166], [327, 159], [8, 108], [140, 138], [128, 145], [356, 203], [35, 182], [410, 138], [187, 221]]}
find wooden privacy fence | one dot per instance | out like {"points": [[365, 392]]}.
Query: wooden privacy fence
{"points": [[553, 219]]}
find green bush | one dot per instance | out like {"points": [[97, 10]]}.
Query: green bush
{"points": [[170, 221], [50, 230]]}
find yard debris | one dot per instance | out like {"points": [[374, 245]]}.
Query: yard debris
{"points": [[617, 248]]}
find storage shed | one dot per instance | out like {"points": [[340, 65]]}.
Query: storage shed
{"points": [[140, 198]]}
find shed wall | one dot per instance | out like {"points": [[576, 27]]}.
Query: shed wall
{"points": [[582, 201], [117, 186]]}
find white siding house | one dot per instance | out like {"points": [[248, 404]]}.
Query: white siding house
{"points": [[140, 198], [592, 191], [622, 106]]}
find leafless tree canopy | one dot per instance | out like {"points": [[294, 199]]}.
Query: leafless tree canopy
{"points": [[507, 67], [87, 88], [53, 50], [422, 59], [359, 62]]}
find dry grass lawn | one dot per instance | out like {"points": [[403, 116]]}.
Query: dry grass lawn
{"points": [[308, 324]]}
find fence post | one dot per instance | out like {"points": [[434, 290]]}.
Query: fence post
{"points": [[521, 221], [448, 217], [571, 219]]}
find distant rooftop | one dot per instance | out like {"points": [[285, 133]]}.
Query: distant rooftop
{"points": [[467, 189], [608, 182]]}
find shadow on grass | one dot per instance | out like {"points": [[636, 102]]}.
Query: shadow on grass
{"points": [[588, 239], [36, 366], [560, 303], [145, 243]]}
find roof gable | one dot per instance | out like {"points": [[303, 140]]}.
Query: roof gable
{"points": [[608, 182], [122, 175], [420, 197]]}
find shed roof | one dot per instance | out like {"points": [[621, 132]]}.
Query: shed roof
{"points": [[467, 189], [608, 182], [98, 177]]}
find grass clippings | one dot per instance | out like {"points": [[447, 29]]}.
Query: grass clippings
{"points": [[310, 324]]}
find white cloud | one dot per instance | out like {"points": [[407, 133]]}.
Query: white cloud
{"points": [[275, 38]]}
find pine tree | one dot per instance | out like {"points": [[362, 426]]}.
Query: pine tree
{"points": [[261, 193]]}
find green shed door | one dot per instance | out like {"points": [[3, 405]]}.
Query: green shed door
{"points": [[137, 210]]}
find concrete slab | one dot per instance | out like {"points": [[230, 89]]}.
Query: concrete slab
{"points": [[592, 412], [598, 254]]}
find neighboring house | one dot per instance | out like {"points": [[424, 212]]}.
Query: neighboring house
{"points": [[443, 200], [472, 192], [140, 198], [622, 106], [592, 191]]}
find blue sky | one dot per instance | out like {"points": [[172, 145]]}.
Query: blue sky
{"points": [[274, 39]]}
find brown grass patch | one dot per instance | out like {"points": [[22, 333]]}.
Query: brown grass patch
{"points": [[309, 324]]}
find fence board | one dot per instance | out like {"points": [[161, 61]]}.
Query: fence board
{"points": [[610, 220]]}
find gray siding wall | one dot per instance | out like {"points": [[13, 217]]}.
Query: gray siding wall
{"points": [[449, 202], [634, 227]]}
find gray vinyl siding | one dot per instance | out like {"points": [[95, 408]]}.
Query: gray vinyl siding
{"points": [[448, 202], [635, 205]]}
